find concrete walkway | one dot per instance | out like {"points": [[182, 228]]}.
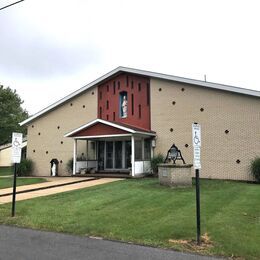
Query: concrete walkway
{"points": [[89, 182], [51, 181]]}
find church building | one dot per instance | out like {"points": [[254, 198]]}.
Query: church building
{"points": [[117, 123]]}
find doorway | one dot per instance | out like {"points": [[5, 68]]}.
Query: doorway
{"points": [[114, 155]]}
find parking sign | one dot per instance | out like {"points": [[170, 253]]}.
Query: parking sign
{"points": [[17, 139], [196, 140]]}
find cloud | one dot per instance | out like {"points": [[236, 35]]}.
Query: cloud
{"points": [[28, 52]]}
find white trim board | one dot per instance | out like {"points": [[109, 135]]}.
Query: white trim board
{"points": [[147, 74]]}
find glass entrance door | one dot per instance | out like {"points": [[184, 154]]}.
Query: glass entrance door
{"points": [[117, 155], [109, 155], [101, 155]]}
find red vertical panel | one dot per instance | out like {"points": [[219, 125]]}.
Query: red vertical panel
{"points": [[140, 99]]}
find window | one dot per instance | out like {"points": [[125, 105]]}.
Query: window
{"points": [[132, 84], [100, 95], [91, 150], [139, 87], [138, 150], [140, 111], [127, 81], [107, 88], [114, 116], [100, 112], [107, 104], [147, 149], [114, 87], [148, 93], [133, 105]]}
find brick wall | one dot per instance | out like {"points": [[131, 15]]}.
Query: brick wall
{"points": [[46, 134], [230, 126]]}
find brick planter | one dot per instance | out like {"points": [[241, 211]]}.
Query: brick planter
{"points": [[175, 175]]}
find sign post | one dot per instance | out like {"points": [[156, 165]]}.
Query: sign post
{"points": [[17, 139], [196, 140]]}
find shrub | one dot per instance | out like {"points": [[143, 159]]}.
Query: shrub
{"points": [[157, 159], [25, 167], [69, 165], [255, 168]]}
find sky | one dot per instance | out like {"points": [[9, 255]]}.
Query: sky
{"points": [[50, 48]]}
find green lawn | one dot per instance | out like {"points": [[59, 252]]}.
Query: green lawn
{"points": [[143, 212], [6, 171], [8, 182]]}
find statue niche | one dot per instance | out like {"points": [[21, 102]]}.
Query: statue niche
{"points": [[123, 104]]}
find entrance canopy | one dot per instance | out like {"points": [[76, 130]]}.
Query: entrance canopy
{"points": [[99, 128], [116, 148]]}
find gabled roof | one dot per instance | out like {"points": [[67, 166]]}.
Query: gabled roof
{"points": [[124, 128], [5, 146], [147, 74]]}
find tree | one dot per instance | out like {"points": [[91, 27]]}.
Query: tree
{"points": [[11, 114]]}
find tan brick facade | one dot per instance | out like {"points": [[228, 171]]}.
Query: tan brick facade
{"points": [[46, 133], [216, 111], [230, 127], [5, 157]]}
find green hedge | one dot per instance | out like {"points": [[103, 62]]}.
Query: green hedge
{"points": [[25, 167], [255, 168], [157, 159]]}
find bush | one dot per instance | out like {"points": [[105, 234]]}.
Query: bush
{"points": [[255, 168], [25, 167], [69, 165], [157, 159]]}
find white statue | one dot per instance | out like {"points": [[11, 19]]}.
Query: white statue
{"points": [[124, 107], [53, 170]]}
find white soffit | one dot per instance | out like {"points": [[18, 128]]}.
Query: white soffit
{"points": [[146, 74]]}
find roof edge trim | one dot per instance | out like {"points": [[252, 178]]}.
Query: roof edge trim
{"points": [[223, 87]]}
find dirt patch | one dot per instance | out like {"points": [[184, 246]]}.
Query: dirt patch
{"points": [[192, 245]]}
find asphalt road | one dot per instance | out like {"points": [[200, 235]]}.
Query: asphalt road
{"points": [[27, 244]]}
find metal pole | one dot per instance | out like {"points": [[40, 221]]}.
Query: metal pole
{"points": [[14, 192], [198, 204]]}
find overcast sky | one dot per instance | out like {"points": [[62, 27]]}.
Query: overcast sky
{"points": [[49, 48]]}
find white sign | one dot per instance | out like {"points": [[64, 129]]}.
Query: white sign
{"points": [[17, 140], [196, 140], [196, 135], [196, 158]]}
